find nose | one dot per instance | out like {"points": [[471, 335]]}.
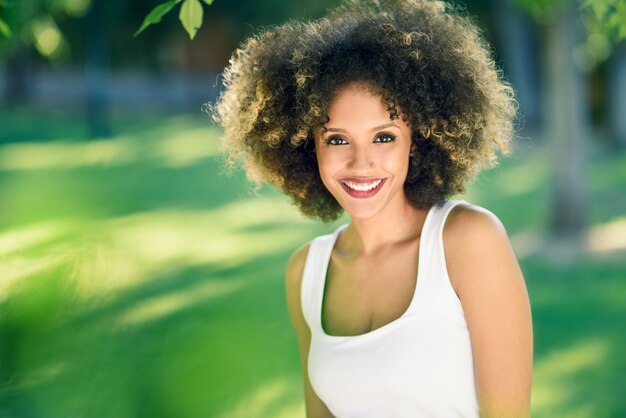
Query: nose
{"points": [[361, 159]]}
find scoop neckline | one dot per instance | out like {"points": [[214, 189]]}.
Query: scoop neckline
{"points": [[389, 325]]}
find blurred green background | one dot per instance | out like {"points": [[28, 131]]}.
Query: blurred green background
{"points": [[138, 280]]}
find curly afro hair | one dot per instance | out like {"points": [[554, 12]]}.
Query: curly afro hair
{"points": [[425, 58]]}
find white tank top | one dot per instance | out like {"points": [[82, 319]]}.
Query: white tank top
{"points": [[419, 365]]}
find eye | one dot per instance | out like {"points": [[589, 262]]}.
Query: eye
{"points": [[336, 140], [384, 138]]}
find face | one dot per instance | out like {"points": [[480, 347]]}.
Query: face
{"points": [[363, 155]]}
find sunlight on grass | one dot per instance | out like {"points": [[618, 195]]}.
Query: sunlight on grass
{"points": [[603, 238], [43, 374], [129, 250], [168, 304], [186, 148], [180, 150], [272, 399], [257, 402], [65, 155], [554, 373], [520, 178], [610, 236], [293, 410], [17, 268], [512, 178], [21, 239], [526, 243]]}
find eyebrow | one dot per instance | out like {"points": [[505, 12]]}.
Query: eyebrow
{"points": [[376, 128]]}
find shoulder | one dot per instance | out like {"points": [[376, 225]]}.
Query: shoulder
{"points": [[490, 285], [293, 280], [470, 229], [466, 218], [295, 265], [474, 239]]}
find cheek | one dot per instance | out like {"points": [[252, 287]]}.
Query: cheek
{"points": [[400, 162], [329, 162], [324, 167], [398, 157], [326, 175], [321, 167]]}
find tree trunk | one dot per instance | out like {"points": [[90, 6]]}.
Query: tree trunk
{"points": [[568, 129], [518, 54]]}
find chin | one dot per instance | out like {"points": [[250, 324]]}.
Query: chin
{"points": [[361, 208], [361, 212]]}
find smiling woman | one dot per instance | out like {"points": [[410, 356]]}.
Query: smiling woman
{"points": [[363, 159], [385, 109]]}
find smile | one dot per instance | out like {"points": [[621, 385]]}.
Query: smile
{"points": [[359, 188], [363, 187]]}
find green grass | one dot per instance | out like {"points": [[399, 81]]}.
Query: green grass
{"points": [[138, 281]]}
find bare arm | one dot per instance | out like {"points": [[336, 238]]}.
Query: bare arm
{"points": [[315, 408], [486, 275]]}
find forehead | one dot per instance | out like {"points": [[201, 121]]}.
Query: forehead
{"points": [[357, 103]]}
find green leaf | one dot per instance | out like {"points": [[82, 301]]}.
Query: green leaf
{"points": [[156, 14], [620, 10], [191, 16], [598, 7], [614, 22], [4, 29], [620, 13], [585, 4], [209, 2]]}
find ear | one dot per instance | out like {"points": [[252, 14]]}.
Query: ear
{"points": [[413, 149]]}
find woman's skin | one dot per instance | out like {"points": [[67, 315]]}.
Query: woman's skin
{"points": [[373, 267]]}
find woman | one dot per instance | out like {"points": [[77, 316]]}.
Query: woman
{"points": [[417, 307]]}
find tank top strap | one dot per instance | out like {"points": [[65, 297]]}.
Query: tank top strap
{"points": [[432, 232], [314, 276], [438, 293]]}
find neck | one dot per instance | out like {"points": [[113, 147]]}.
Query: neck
{"points": [[387, 228]]}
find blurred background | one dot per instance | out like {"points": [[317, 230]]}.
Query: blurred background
{"points": [[138, 280]]}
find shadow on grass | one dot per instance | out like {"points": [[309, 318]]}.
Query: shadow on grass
{"points": [[198, 359]]}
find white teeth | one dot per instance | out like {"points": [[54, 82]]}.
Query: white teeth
{"points": [[362, 187]]}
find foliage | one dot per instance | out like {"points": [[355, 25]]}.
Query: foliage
{"points": [[4, 28], [35, 22], [604, 21], [609, 16], [156, 14], [540, 10], [191, 13]]}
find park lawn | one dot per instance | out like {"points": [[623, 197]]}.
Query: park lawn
{"points": [[137, 280]]}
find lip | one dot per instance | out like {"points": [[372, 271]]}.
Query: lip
{"points": [[362, 194]]}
